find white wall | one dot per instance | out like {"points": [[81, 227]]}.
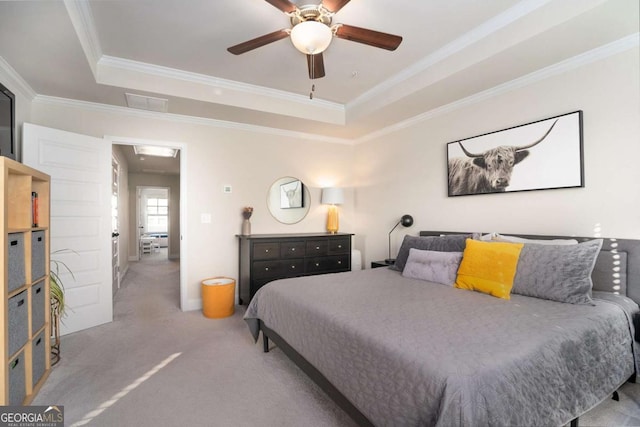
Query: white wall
{"points": [[406, 171], [215, 157]]}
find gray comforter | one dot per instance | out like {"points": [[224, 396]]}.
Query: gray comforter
{"points": [[411, 353]]}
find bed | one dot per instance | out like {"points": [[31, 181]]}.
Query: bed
{"points": [[395, 350]]}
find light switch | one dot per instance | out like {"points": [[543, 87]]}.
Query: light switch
{"points": [[226, 189], [205, 218]]}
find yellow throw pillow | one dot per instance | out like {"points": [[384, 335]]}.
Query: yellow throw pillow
{"points": [[489, 267]]}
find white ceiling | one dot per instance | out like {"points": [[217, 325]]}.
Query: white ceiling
{"points": [[97, 50]]}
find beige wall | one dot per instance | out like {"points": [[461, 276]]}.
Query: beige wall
{"points": [[406, 172], [215, 157]]}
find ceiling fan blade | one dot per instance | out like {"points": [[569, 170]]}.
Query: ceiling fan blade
{"points": [[334, 5], [284, 5], [258, 42], [370, 37], [315, 63]]}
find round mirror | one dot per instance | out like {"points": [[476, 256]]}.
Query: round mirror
{"points": [[288, 200]]}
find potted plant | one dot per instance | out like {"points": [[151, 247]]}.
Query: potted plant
{"points": [[58, 306]]}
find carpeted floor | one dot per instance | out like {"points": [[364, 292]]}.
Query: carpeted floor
{"points": [[157, 366]]}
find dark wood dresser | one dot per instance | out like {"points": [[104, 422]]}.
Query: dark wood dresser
{"points": [[267, 257]]}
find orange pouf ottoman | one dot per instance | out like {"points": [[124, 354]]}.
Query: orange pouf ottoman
{"points": [[218, 297]]}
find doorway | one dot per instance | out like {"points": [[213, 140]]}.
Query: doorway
{"points": [[143, 170]]}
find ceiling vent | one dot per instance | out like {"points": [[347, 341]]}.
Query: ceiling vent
{"points": [[148, 103]]}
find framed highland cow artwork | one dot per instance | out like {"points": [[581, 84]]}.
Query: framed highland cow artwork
{"points": [[542, 155]]}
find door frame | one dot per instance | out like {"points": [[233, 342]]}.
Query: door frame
{"points": [[115, 254], [123, 140]]}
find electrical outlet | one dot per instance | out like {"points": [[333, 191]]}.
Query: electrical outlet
{"points": [[226, 189]]}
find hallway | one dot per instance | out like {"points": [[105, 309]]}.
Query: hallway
{"points": [[150, 289]]}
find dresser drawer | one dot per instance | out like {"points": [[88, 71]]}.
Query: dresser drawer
{"points": [[327, 264], [292, 249], [277, 268], [267, 250], [339, 246], [317, 247]]}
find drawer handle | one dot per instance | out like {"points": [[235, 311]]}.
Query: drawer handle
{"points": [[38, 290], [293, 249], [15, 363], [293, 267], [39, 239], [266, 250], [266, 269], [39, 341], [317, 264], [339, 246], [14, 243], [317, 248], [20, 302], [339, 262]]}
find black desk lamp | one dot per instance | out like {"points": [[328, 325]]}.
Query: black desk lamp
{"points": [[406, 221]]}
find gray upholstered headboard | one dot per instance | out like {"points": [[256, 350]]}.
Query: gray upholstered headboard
{"points": [[626, 251]]}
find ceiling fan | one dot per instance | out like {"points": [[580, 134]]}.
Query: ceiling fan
{"points": [[311, 33]]}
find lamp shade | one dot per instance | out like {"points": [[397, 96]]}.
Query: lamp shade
{"points": [[406, 221], [332, 196], [311, 37]]}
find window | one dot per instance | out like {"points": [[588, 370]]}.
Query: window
{"points": [[157, 215]]}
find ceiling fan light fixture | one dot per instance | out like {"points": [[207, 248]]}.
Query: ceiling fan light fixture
{"points": [[311, 37]]}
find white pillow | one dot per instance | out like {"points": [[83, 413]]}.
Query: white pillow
{"points": [[433, 266], [514, 239], [487, 237]]}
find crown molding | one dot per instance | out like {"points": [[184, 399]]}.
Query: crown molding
{"points": [[451, 58], [483, 30], [217, 82], [148, 77], [626, 43], [82, 20], [8, 73], [127, 73], [178, 118]]}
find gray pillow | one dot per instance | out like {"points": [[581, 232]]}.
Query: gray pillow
{"points": [[433, 266], [448, 243], [557, 272]]}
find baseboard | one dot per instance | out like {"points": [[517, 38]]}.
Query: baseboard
{"points": [[192, 305], [123, 273]]}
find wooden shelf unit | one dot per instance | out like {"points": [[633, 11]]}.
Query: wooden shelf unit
{"points": [[25, 344]]}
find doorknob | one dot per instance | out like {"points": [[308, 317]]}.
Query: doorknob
{"points": [[115, 234]]}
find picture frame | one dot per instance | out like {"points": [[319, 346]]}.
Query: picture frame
{"points": [[542, 155], [291, 195]]}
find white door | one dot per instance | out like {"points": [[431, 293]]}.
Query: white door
{"points": [[80, 170]]}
